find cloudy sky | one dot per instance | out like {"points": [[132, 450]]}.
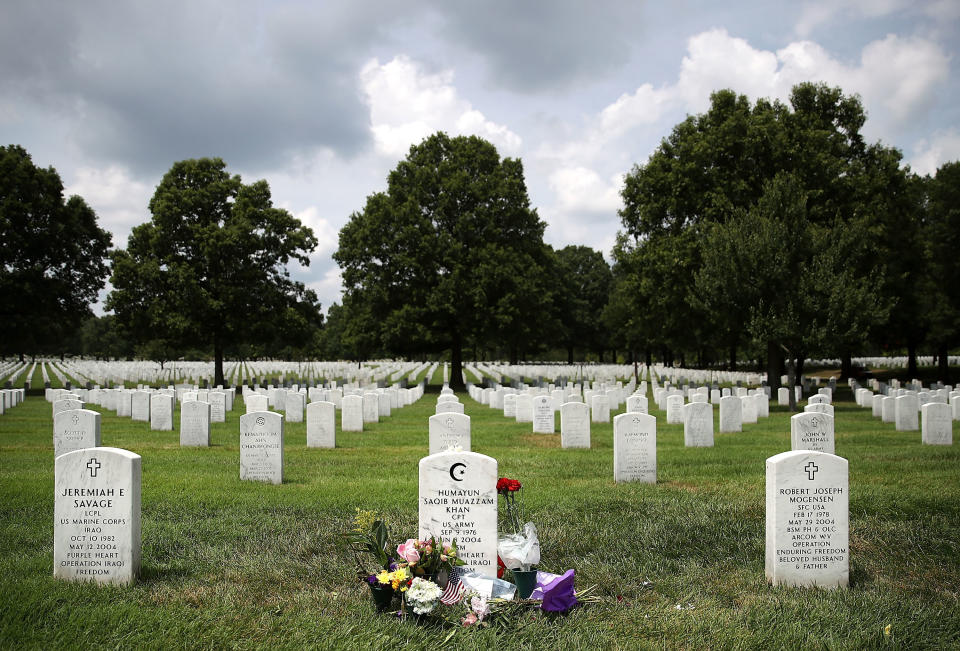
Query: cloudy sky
{"points": [[323, 98]]}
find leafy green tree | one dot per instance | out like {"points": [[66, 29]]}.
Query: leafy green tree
{"points": [[791, 277], [101, 338], [445, 255], [942, 239], [718, 165], [210, 265], [584, 278], [52, 256]]}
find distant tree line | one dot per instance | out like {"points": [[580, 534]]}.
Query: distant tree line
{"points": [[763, 230]]}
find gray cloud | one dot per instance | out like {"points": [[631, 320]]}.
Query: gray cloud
{"points": [[536, 46], [151, 85]]}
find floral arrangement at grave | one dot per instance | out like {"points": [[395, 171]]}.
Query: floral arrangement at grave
{"points": [[518, 550], [429, 581]]}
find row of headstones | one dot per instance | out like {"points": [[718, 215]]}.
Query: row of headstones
{"points": [[10, 398], [97, 504], [76, 428], [902, 408]]}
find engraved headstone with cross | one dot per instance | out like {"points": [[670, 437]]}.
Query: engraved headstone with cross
{"points": [[807, 519], [97, 516]]}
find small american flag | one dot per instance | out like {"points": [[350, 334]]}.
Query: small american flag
{"points": [[455, 588]]}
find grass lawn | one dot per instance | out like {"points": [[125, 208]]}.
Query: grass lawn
{"points": [[678, 564]]}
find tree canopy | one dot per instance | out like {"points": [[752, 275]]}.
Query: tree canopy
{"points": [[750, 221], [583, 279], [451, 252], [53, 256], [210, 265]]}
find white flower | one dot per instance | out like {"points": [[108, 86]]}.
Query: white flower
{"points": [[480, 606], [423, 595]]}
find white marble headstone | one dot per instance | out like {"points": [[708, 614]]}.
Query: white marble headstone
{"points": [[458, 501], [161, 412], [75, 429], [937, 424], [907, 413], [637, 404], [812, 430], [449, 430], [140, 406], [510, 405], [635, 448], [807, 520], [293, 407], [698, 425], [66, 404], [731, 416], [888, 409], [321, 425], [574, 425], [351, 414], [370, 407], [599, 409], [218, 406], [96, 516], [195, 424], [261, 447], [783, 397], [448, 406], [748, 409], [675, 409], [524, 408], [543, 415], [256, 402]]}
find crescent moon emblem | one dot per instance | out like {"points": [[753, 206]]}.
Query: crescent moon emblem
{"points": [[454, 471]]}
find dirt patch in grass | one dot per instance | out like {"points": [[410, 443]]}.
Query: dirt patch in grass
{"points": [[542, 440]]}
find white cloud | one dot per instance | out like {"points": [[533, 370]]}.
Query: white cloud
{"points": [[582, 189], [897, 77], [902, 73], [329, 288], [928, 156], [408, 104], [643, 107], [120, 201], [717, 60]]}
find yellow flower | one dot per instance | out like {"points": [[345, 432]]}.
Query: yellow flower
{"points": [[363, 520], [383, 577]]}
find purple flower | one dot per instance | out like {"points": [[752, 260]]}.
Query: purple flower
{"points": [[558, 594], [372, 579]]}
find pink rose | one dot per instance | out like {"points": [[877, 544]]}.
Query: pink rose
{"points": [[408, 551]]}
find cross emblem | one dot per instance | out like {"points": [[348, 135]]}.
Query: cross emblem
{"points": [[93, 465], [811, 469], [636, 421]]}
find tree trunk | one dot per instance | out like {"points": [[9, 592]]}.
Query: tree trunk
{"points": [[21, 358], [570, 354], [943, 373], [774, 367], [846, 365], [791, 381], [800, 359], [911, 359], [217, 361], [513, 354], [636, 375], [733, 357], [456, 364], [649, 356]]}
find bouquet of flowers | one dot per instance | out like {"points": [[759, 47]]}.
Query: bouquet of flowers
{"points": [[519, 550], [369, 537], [430, 556]]}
